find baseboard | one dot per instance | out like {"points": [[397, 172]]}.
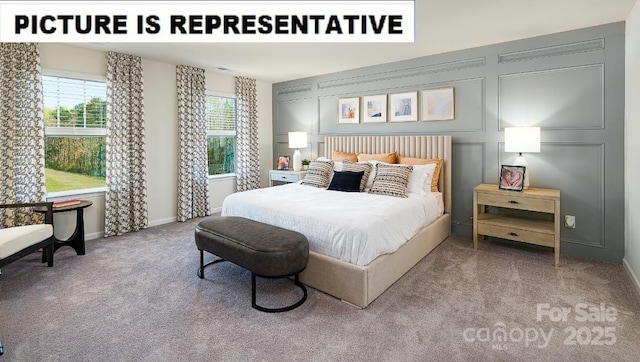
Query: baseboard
{"points": [[100, 234], [163, 221], [93, 236], [632, 275], [216, 210]]}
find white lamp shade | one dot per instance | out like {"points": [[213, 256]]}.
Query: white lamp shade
{"points": [[297, 139], [522, 139]]}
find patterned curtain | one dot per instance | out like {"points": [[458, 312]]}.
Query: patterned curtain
{"points": [[247, 156], [21, 131], [126, 197], [193, 171]]}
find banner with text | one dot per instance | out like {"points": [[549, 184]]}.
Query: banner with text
{"points": [[208, 21]]}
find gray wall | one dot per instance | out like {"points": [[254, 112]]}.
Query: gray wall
{"points": [[570, 84]]}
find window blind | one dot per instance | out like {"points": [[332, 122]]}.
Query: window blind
{"points": [[76, 103]]}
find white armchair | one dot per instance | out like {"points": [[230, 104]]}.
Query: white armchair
{"points": [[19, 241]]}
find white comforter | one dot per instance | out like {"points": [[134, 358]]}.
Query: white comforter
{"points": [[351, 226]]}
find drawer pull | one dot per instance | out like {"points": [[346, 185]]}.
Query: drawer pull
{"points": [[513, 202], [513, 234]]}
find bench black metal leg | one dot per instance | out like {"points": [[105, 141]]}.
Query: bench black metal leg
{"points": [[203, 265], [276, 310], [296, 281]]}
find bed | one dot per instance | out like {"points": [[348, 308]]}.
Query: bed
{"points": [[343, 267]]}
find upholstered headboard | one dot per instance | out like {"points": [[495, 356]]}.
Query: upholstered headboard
{"points": [[407, 146]]}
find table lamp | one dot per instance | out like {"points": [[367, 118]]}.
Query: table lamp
{"points": [[522, 139], [297, 140]]}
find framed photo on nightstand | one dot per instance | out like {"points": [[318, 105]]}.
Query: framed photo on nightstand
{"points": [[283, 163], [512, 178]]}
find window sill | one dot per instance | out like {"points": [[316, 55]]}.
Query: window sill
{"points": [[226, 176], [60, 195]]}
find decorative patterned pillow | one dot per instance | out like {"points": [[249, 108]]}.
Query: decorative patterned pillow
{"points": [[364, 167], [318, 174], [391, 180]]}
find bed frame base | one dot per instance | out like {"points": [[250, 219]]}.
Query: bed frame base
{"points": [[361, 285]]}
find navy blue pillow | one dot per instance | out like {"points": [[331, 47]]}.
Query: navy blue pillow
{"points": [[347, 181]]}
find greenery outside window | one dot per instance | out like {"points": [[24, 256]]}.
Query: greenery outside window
{"points": [[75, 115], [221, 134]]}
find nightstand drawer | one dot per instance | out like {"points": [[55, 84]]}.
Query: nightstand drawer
{"points": [[510, 233], [285, 176], [516, 202]]}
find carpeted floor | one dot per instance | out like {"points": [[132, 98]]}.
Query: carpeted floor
{"points": [[137, 298]]}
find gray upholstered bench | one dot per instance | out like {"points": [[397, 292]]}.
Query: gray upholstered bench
{"points": [[267, 251]]}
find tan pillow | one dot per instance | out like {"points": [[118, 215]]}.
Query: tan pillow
{"points": [[339, 156], [382, 157], [425, 161]]}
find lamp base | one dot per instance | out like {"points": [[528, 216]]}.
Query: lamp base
{"points": [[297, 160], [520, 161]]}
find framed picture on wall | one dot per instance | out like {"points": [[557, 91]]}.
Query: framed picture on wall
{"points": [[403, 107], [374, 109], [349, 110], [512, 178], [438, 104], [283, 163]]}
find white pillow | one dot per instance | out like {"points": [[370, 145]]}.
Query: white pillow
{"points": [[372, 174], [420, 179], [337, 167]]}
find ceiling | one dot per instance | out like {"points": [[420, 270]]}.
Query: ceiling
{"points": [[441, 26]]}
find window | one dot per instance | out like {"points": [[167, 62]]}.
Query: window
{"points": [[221, 134], [75, 114]]}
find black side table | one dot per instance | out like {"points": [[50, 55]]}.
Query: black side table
{"points": [[76, 241]]}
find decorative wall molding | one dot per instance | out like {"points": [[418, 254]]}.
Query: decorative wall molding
{"points": [[564, 49], [475, 154], [295, 89], [523, 97], [596, 239], [403, 73], [571, 86], [470, 98], [287, 113]]}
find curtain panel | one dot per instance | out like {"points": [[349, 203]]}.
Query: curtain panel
{"points": [[126, 197], [247, 155], [193, 171], [21, 132]]}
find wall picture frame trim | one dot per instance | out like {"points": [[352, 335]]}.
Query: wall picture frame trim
{"points": [[349, 110], [374, 109], [512, 177], [403, 107], [438, 104]]}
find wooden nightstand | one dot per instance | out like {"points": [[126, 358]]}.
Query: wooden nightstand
{"points": [[519, 228], [285, 176]]}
